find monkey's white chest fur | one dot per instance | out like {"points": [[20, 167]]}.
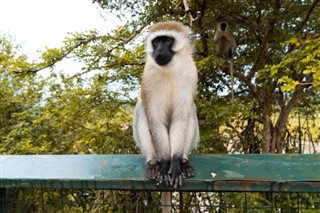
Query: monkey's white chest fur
{"points": [[169, 92]]}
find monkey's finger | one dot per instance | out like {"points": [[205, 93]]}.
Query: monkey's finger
{"points": [[183, 174], [163, 178], [167, 179], [149, 174], [177, 181], [152, 170], [160, 177], [180, 180], [176, 184], [173, 181], [190, 172], [154, 174]]}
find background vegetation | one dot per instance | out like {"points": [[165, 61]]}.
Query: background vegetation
{"points": [[276, 73]]}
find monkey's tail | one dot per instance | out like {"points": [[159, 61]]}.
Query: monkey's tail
{"points": [[232, 79], [166, 202], [231, 71]]}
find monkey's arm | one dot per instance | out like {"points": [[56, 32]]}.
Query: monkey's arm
{"points": [[160, 139], [143, 140], [184, 134], [216, 38], [192, 141], [151, 135], [178, 132]]}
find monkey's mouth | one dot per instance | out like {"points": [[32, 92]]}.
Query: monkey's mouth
{"points": [[162, 60]]}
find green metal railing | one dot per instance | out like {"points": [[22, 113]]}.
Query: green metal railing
{"points": [[117, 183]]}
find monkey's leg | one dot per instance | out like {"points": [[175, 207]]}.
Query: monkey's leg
{"points": [[191, 143], [178, 133], [160, 140], [143, 139], [156, 118], [157, 125]]}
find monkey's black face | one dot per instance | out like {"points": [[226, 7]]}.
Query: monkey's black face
{"points": [[223, 26], [162, 49]]}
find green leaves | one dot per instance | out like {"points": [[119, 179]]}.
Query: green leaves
{"points": [[300, 65], [288, 84], [61, 114]]}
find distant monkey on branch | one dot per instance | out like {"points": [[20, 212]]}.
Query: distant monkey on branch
{"points": [[226, 45]]}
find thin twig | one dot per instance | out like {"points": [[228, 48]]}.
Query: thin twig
{"points": [[187, 10]]}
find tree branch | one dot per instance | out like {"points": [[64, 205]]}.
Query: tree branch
{"points": [[187, 10], [58, 59], [110, 66], [307, 16], [268, 34], [94, 38], [300, 92]]}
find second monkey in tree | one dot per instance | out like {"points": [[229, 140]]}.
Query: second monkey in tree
{"points": [[225, 41], [165, 124], [225, 46]]}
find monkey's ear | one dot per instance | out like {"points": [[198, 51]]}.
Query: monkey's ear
{"points": [[190, 37]]}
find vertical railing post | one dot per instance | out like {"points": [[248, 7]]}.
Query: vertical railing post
{"points": [[181, 201], [3, 206]]}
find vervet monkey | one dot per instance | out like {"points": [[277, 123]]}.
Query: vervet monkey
{"points": [[165, 124], [226, 45]]}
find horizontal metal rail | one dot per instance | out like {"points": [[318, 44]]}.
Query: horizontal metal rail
{"points": [[229, 173]]}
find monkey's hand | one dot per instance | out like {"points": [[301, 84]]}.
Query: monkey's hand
{"points": [[152, 169], [163, 174], [176, 172], [187, 168]]}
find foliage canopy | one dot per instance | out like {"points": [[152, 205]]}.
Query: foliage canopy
{"points": [[276, 75]]}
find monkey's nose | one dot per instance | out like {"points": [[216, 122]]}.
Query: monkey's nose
{"points": [[162, 60]]}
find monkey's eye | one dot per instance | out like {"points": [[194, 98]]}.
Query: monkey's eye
{"points": [[169, 40], [156, 41], [166, 40]]}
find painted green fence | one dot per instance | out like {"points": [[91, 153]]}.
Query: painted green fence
{"points": [[223, 183]]}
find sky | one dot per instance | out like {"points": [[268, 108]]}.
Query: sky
{"points": [[36, 24]]}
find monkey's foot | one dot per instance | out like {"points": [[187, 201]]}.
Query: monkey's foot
{"points": [[152, 169], [187, 168], [163, 174], [176, 172]]}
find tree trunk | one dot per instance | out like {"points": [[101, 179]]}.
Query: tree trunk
{"points": [[279, 130], [273, 136], [266, 134]]}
